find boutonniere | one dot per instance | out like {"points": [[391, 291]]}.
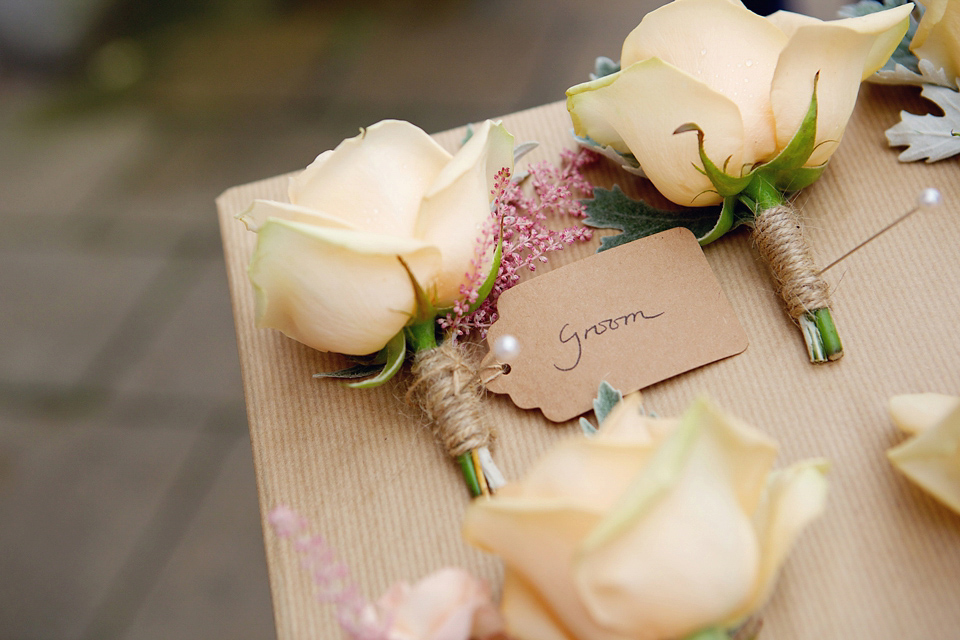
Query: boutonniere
{"points": [[731, 112]]}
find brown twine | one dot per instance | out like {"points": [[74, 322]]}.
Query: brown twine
{"points": [[446, 386], [778, 234]]}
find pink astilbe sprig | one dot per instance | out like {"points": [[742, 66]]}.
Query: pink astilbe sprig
{"points": [[331, 577], [520, 220]]}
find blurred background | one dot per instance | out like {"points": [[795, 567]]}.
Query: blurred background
{"points": [[128, 502]]}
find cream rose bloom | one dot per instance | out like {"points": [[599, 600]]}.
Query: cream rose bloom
{"points": [[326, 269], [937, 38], [652, 529], [931, 456], [449, 604], [744, 79]]}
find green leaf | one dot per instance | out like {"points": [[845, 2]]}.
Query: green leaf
{"points": [[396, 352], [607, 398], [351, 373], [613, 209], [929, 136], [491, 279]]}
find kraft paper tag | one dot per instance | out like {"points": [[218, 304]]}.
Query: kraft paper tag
{"points": [[633, 316]]}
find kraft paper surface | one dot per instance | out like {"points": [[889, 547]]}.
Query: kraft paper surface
{"points": [[883, 562]]}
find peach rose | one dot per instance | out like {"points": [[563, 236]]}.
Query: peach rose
{"points": [[745, 80], [326, 269], [449, 604], [652, 529], [937, 38]]}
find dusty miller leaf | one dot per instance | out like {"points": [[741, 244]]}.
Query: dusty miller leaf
{"points": [[607, 398], [929, 136], [613, 209], [627, 161], [604, 66], [587, 427], [927, 74]]}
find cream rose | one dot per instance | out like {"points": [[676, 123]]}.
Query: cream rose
{"points": [[449, 604], [745, 80], [652, 529], [931, 456], [326, 269], [937, 38]]}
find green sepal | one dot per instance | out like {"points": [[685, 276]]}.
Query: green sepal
{"points": [[725, 184], [798, 151], [424, 309], [396, 351], [798, 178]]}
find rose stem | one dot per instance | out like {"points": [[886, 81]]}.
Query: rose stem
{"points": [[779, 237], [423, 337]]}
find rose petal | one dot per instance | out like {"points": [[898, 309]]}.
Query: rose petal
{"points": [[727, 47], [932, 459], [843, 52], [794, 497], [698, 533], [527, 618], [298, 277], [457, 205], [917, 412], [439, 607], [374, 181], [937, 38], [669, 160], [523, 534], [258, 213]]}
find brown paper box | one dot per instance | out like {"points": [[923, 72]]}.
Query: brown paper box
{"points": [[883, 562]]}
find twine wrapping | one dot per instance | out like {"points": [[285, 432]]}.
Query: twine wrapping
{"points": [[447, 389], [778, 234]]}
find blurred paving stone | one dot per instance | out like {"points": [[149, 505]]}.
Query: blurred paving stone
{"points": [[215, 584], [195, 353], [480, 60], [51, 167], [236, 66], [61, 310], [74, 501]]}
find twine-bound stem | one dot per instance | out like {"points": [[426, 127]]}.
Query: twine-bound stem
{"points": [[778, 234], [446, 386]]}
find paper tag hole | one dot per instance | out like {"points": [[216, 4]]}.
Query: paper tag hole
{"points": [[505, 369]]}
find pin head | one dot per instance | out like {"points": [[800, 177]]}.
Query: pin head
{"points": [[506, 348], [930, 198]]}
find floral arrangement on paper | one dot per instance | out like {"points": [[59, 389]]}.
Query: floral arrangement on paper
{"points": [[650, 529], [719, 106], [930, 457], [390, 247], [928, 56]]}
